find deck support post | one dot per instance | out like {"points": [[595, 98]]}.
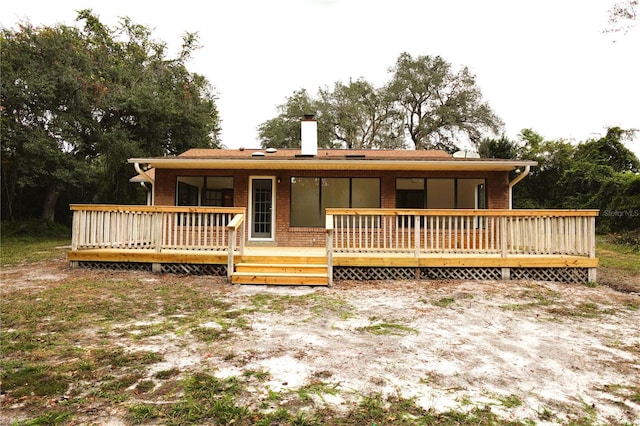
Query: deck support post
{"points": [[156, 268], [75, 227], [506, 274], [329, 229], [593, 275], [236, 223], [230, 253]]}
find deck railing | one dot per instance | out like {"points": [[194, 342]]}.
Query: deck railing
{"points": [[155, 227], [503, 232]]}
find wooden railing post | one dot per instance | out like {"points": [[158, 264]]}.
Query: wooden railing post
{"points": [[157, 231], [416, 235], [592, 272], [236, 223], [75, 230], [329, 230], [242, 237], [230, 253], [503, 236]]}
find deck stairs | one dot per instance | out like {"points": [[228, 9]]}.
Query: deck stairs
{"points": [[281, 270]]}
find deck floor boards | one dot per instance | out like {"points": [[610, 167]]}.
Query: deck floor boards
{"points": [[304, 255]]}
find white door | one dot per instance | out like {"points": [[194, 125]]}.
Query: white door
{"points": [[262, 208]]}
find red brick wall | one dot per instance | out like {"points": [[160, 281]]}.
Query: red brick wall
{"points": [[497, 187]]}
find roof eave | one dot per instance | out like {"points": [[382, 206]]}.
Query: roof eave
{"points": [[338, 164]]}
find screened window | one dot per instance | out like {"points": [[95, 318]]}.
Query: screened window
{"points": [[441, 193], [470, 194], [438, 193], [214, 191], [311, 196]]}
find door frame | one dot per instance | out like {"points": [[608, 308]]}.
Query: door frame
{"points": [[273, 208]]}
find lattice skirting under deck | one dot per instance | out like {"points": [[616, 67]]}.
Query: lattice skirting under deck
{"points": [[170, 268], [363, 273], [115, 266], [460, 273], [194, 269], [568, 275]]}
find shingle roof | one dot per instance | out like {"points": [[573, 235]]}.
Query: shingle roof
{"points": [[322, 153]]}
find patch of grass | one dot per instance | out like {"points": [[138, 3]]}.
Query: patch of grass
{"points": [[540, 297], [545, 414], [210, 334], [319, 304], [616, 255], [32, 241], [273, 396], [51, 418], [139, 413], [205, 399], [388, 328], [582, 310], [260, 375], [145, 386], [444, 302], [398, 411], [630, 392], [431, 379], [316, 388], [511, 401], [24, 379], [205, 386], [167, 374], [118, 357]]}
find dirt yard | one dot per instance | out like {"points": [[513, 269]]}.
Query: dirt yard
{"points": [[539, 352]]}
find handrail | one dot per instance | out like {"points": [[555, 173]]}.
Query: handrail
{"points": [[153, 209], [463, 212], [232, 228], [497, 232], [97, 226]]}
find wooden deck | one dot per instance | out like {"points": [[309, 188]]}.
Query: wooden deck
{"points": [[361, 244], [309, 266], [312, 255]]}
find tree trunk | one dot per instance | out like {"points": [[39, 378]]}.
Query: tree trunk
{"points": [[50, 200]]}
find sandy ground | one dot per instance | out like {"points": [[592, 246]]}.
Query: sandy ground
{"points": [[449, 345]]}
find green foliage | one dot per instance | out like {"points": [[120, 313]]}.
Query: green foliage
{"points": [[283, 131], [425, 96], [364, 117], [441, 105], [596, 174], [498, 148], [79, 101]]}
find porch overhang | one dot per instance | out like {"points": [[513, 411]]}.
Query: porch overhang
{"points": [[260, 163]]}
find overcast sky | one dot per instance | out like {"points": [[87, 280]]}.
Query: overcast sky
{"points": [[541, 64]]}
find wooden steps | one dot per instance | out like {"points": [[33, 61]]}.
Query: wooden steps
{"points": [[280, 273]]}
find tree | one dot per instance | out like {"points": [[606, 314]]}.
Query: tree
{"points": [[283, 131], [77, 102], [364, 117], [498, 148], [441, 106], [595, 174], [610, 151], [624, 16], [540, 189]]}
